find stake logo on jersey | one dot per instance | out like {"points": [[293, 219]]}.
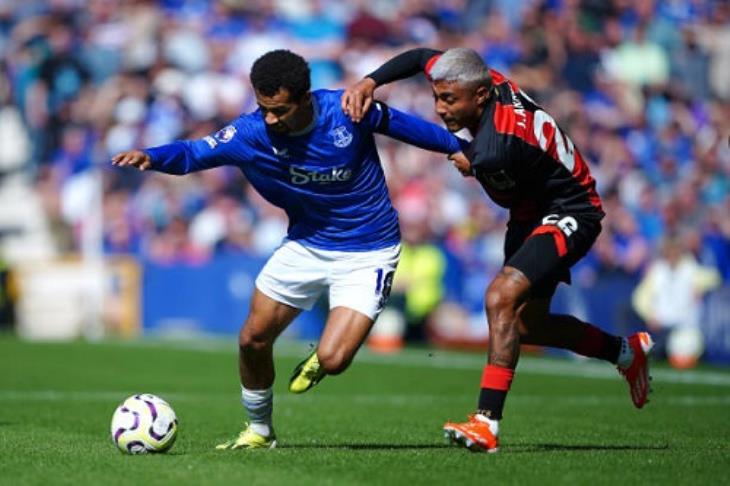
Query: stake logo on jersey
{"points": [[300, 175]]}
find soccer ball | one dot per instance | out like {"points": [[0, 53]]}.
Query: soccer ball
{"points": [[144, 423]]}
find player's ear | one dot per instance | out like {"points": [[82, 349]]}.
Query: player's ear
{"points": [[481, 95]]}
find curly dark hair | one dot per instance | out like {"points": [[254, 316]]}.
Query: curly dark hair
{"points": [[281, 69]]}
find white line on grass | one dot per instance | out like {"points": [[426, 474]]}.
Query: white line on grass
{"points": [[580, 368], [358, 398]]}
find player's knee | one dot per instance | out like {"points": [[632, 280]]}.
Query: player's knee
{"points": [[251, 342], [333, 361], [499, 300]]}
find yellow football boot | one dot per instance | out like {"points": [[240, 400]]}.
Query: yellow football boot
{"points": [[248, 439], [307, 374]]}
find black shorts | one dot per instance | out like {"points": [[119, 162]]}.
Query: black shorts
{"points": [[545, 249]]}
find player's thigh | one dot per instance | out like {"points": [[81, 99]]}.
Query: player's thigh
{"points": [[549, 248], [343, 334], [359, 289], [266, 319]]}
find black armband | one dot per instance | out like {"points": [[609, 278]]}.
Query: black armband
{"points": [[403, 65]]}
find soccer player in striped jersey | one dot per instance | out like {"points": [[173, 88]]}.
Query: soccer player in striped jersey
{"points": [[527, 164], [304, 155]]}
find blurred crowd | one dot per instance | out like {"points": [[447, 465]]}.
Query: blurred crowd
{"points": [[642, 87]]}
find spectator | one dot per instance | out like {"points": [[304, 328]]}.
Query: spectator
{"points": [[643, 87], [669, 296]]}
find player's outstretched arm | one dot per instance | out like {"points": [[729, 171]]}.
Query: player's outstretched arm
{"points": [[357, 99], [225, 147], [175, 158], [132, 158], [412, 130]]}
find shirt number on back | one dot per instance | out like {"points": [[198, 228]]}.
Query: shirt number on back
{"points": [[563, 144]]}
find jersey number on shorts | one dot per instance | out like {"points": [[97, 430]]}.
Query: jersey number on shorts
{"points": [[567, 224], [383, 284]]}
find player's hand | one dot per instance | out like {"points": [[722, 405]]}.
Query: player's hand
{"points": [[134, 158], [356, 100], [462, 164]]}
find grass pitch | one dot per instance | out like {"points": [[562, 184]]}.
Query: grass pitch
{"points": [[379, 423]]}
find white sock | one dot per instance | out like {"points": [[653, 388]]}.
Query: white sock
{"points": [[493, 424], [259, 404], [626, 355]]}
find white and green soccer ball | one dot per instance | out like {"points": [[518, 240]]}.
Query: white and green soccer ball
{"points": [[144, 423]]}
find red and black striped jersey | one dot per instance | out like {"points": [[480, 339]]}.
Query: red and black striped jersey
{"points": [[521, 157], [525, 162]]}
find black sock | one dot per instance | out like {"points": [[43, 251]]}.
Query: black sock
{"points": [[491, 403], [611, 348]]}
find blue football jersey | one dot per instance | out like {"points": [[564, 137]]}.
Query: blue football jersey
{"points": [[328, 179]]}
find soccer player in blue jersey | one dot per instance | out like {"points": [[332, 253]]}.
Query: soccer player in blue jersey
{"points": [[304, 155]]}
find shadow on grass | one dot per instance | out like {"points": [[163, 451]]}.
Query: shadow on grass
{"points": [[507, 448], [517, 448], [364, 447]]}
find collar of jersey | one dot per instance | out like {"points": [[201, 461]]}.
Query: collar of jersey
{"points": [[313, 123]]}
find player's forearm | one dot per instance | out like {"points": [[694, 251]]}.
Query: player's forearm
{"points": [[423, 134], [403, 65], [176, 158]]}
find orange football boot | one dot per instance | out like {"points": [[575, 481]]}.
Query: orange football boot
{"points": [[475, 435], [637, 373]]}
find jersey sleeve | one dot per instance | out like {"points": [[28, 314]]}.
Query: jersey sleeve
{"points": [[405, 65], [412, 130], [228, 146]]}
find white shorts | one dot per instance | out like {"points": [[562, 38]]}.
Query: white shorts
{"points": [[297, 275]]}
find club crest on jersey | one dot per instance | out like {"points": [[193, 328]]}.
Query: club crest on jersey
{"points": [[225, 134], [342, 137]]}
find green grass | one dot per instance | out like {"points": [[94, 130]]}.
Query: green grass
{"points": [[379, 423]]}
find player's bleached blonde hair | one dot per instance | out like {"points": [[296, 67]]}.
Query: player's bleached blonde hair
{"points": [[462, 65]]}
